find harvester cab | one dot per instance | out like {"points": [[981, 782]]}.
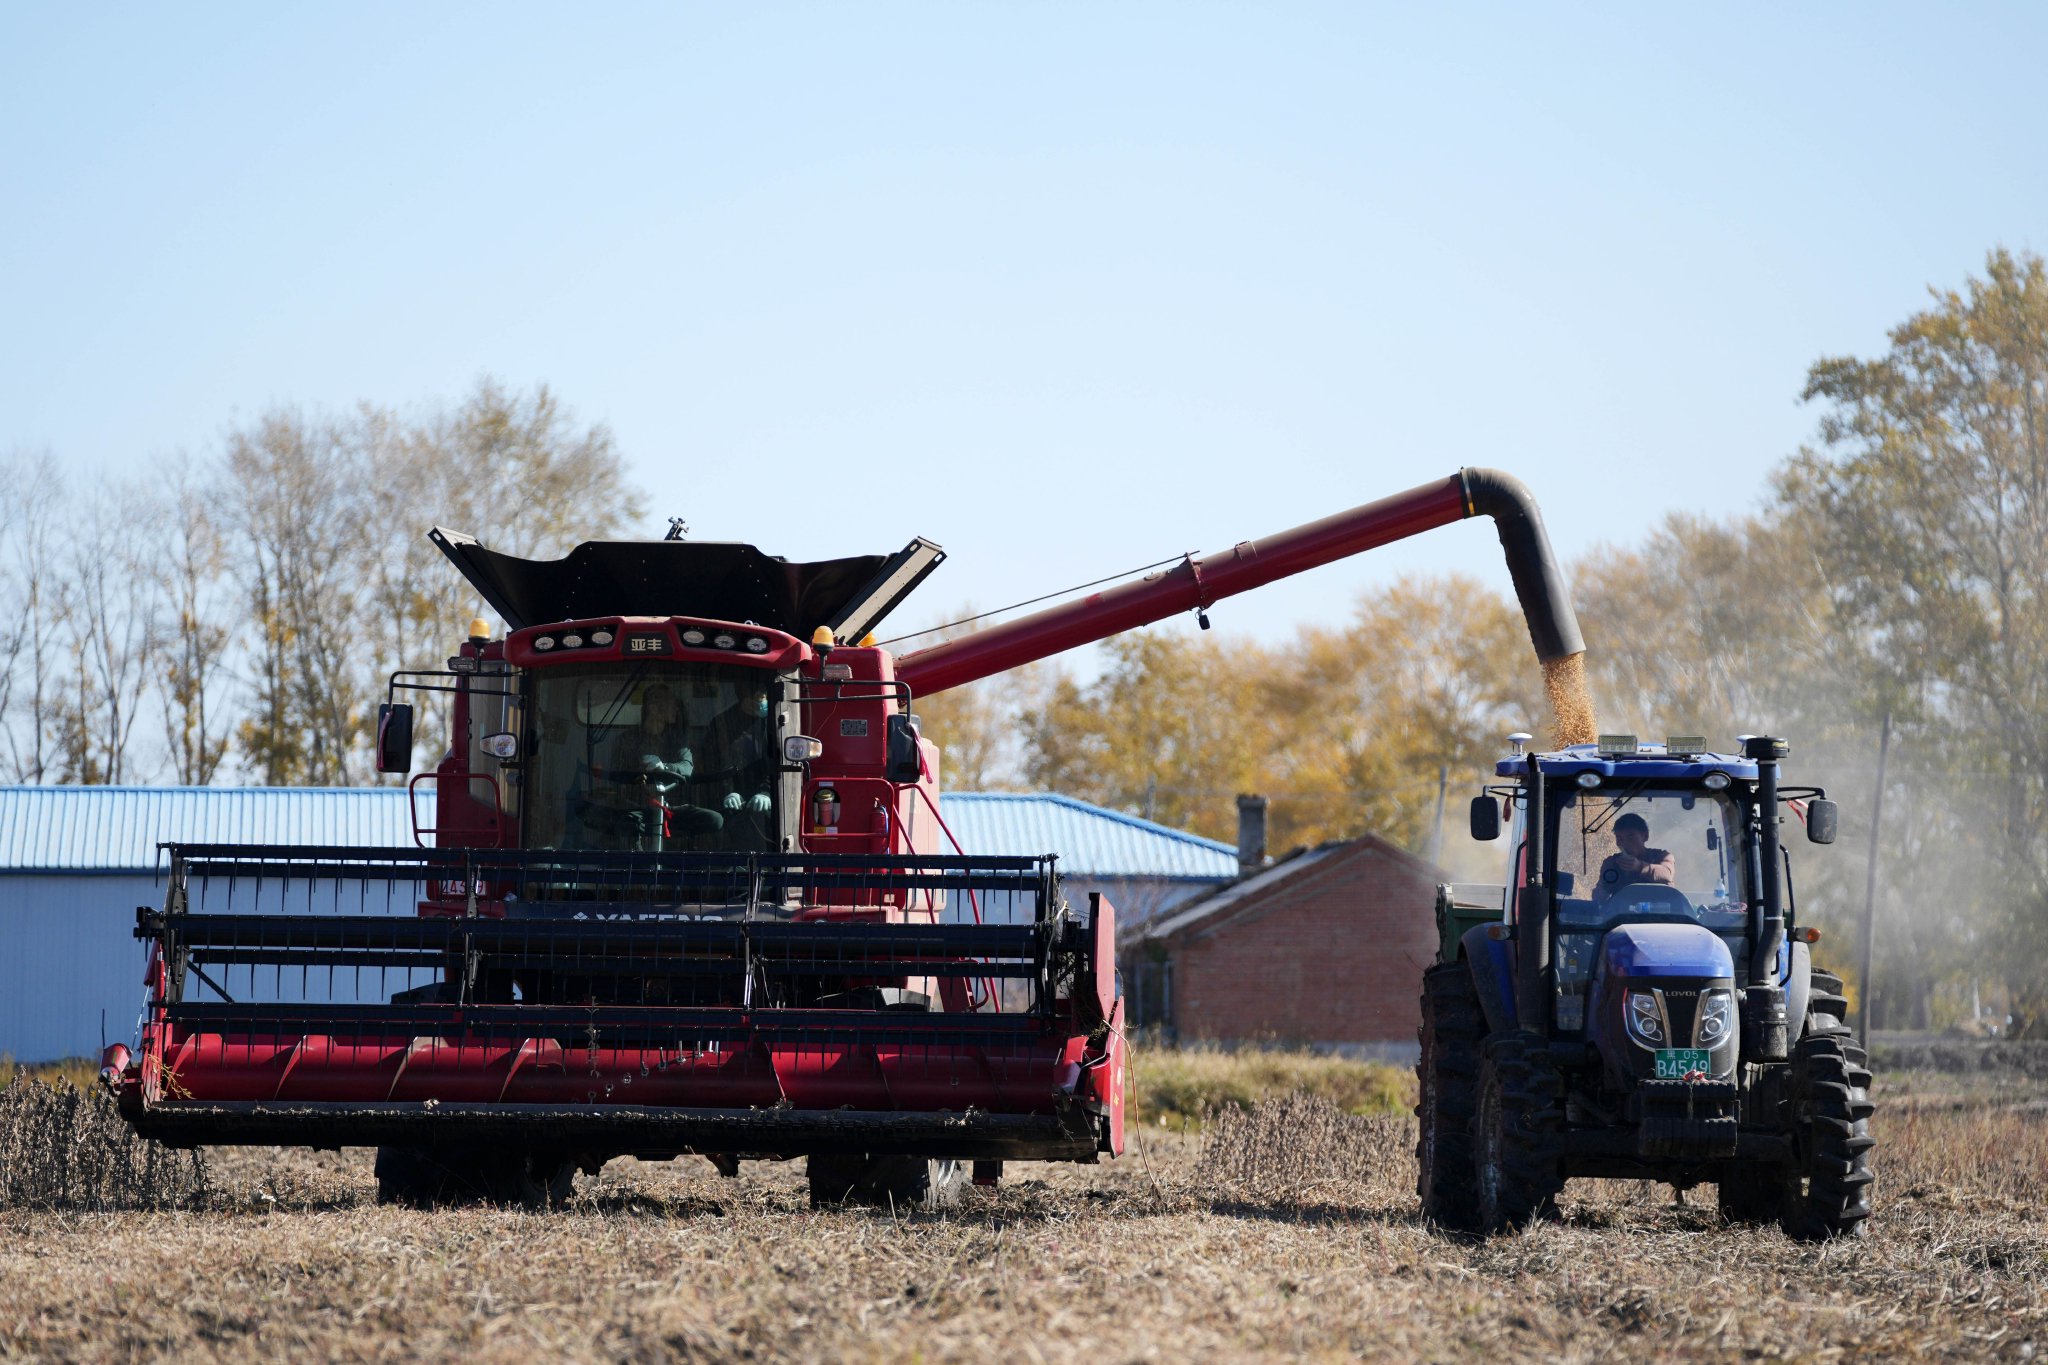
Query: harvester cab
{"points": [[1637, 999]]}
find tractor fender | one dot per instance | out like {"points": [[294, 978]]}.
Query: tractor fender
{"points": [[1798, 989], [1492, 964]]}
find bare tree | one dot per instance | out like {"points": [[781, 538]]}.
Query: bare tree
{"points": [[109, 638], [186, 564], [515, 469], [32, 506], [300, 505]]}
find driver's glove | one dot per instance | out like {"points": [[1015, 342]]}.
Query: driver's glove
{"points": [[732, 801], [682, 767], [759, 803]]}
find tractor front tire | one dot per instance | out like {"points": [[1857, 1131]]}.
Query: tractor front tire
{"points": [[898, 1182], [1828, 1192], [1447, 1082], [1514, 1132]]}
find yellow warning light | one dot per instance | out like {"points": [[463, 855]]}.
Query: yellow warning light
{"points": [[479, 629], [867, 641], [822, 637]]}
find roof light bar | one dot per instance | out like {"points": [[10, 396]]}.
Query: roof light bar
{"points": [[1618, 746], [1685, 745]]}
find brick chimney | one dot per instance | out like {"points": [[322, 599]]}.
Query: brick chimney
{"points": [[1251, 833]]}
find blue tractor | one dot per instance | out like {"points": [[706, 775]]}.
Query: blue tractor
{"points": [[1638, 1000]]}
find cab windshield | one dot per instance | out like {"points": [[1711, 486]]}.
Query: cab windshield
{"points": [[1632, 852], [652, 759]]}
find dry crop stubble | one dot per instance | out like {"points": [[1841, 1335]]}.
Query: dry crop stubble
{"points": [[1288, 1232]]}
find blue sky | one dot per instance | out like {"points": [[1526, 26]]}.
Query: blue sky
{"points": [[1065, 288]]}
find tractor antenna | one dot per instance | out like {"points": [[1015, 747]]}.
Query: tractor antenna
{"points": [[677, 529]]}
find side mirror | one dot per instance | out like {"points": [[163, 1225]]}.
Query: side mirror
{"points": [[394, 737], [903, 763], [1823, 819], [801, 749], [1485, 819]]}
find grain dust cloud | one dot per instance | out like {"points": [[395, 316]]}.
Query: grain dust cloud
{"points": [[1571, 709]]}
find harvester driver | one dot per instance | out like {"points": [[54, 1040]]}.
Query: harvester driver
{"points": [[738, 752], [655, 752], [1636, 862]]}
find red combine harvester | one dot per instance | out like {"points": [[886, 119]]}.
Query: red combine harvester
{"points": [[686, 889]]}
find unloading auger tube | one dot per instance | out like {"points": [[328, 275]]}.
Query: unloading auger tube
{"points": [[1196, 584]]}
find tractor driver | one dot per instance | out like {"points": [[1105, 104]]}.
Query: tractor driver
{"points": [[1636, 862], [653, 754]]}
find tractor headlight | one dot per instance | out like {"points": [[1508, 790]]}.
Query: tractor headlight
{"points": [[1644, 1016], [1717, 1018]]}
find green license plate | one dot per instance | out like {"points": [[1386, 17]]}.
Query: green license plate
{"points": [[1674, 1063]]}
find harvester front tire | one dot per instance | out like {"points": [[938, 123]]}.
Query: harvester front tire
{"points": [[1447, 1082], [1828, 1193], [901, 1182], [424, 1178], [409, 1177], [1514, 1132]]}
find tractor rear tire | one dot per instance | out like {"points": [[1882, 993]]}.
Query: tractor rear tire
{"points": [[1447, 1082], [1825, 998], [1514, 1132], [898, 1182], [1828, 1192]]}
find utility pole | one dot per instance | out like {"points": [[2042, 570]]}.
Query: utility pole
{"points": [[1884, 749], [1436, 841]]}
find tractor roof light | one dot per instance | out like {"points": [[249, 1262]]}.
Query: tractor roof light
{"points": [[1685, 746], [1589, 780], [479, 629], [1618, 746], [1715, 781]]}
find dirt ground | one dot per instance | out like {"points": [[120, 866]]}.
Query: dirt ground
{"points": [[1159, 1256]]}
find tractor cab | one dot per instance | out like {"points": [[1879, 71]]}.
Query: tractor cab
{"points": [[1649, 863]]}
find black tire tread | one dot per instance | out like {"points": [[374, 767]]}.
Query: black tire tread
{"points": [[1447, 1073], [1528, 1107], [901, 1182], [1829, 1195]]}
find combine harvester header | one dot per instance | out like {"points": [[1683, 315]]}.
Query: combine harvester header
{"points": [[684, 888]]}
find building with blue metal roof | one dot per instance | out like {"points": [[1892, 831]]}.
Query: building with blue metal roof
{"points": [[75, 862]]}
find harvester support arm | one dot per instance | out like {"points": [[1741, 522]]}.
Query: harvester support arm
{"points": [[1198, 583]]}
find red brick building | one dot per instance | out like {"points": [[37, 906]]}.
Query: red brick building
{"points": [[1324, 948]]}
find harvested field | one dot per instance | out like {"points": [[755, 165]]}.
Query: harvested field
{"points": [[1287, 1232]]}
